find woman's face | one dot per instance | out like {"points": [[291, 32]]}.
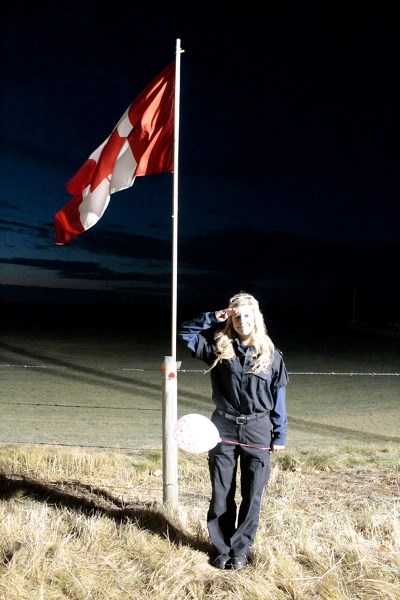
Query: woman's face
{"points": [[243, 321]]}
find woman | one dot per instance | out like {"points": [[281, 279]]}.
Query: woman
{"points": [[248, 378]]}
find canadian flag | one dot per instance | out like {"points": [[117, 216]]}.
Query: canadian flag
{"points": [[142, 143]]}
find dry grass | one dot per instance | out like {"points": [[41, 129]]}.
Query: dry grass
{"points": [[87, 524]]}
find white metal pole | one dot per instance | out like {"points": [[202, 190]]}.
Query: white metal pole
{"points": [[169, 368], [175, 200]]}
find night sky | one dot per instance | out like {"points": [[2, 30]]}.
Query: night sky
{"points": [[288, 162]]}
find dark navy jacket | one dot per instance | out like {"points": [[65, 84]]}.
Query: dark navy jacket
{"points": [[235, 389]]}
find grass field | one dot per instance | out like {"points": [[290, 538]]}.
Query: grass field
{"points": [[101, 388], [81, 486]]}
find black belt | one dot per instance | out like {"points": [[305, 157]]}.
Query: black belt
{"points": [[241, 419]]}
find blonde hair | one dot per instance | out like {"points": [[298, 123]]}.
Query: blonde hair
{"points": [[263, 346]]}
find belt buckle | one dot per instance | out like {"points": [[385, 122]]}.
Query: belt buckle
{"points": [[241, 420]]}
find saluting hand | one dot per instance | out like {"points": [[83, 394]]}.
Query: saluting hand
{"points": [[222, 315]]}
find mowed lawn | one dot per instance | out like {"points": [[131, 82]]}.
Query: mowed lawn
{"points": [[97, 387]]}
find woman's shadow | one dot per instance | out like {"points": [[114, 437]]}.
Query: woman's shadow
{"points": [[88, 500]]}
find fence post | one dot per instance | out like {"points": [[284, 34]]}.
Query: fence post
{"points": [[170, 448]]}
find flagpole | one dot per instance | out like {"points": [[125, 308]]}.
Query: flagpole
{"points": [[169, 367], [175, 203]]}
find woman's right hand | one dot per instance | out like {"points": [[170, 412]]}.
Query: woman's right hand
{"points": [[222, 315]]}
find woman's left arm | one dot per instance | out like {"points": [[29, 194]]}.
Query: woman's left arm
{"points": [[278, 416]]}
